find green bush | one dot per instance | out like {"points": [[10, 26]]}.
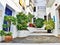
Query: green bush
{"points": [[22, 20], [39, 22], [49, 24]]}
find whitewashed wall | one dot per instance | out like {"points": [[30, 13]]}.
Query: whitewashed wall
{"points": [[15, 9], [40, 8], [1, 16], [54, 12]]}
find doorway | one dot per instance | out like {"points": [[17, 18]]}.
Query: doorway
{"points": [[45, 17], [8, 12], [59, 17]]}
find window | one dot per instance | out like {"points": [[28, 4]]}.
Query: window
{"points": [[41, 7], [29, 0], [34, 9], [45, 17], [23, 8], [49, 16], [8, 12], [35, 1], [34, 20]]}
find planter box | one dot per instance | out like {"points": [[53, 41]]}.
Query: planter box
{"points": [[31, 29], [23, 33]]}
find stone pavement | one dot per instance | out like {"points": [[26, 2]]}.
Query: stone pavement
{"points": [[37, 39]]}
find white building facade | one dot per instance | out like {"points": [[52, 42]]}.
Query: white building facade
{"points": [[12, 7], [53, 7], [40, 8]]}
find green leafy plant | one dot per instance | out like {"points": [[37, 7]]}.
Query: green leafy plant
{"points": [[39, 22], [8, 34], [9, 19], [22, 20], [49, 25], [30, 16], [6, 26], [2, 32]]}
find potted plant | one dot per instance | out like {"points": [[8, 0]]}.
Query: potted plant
{"points": [[31, 25], [10, 20], [49, 25], [8, 36], [22, 20], [2, 33]]}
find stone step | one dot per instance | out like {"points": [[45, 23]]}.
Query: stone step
{"points": [[41, 34], [40, 31]]}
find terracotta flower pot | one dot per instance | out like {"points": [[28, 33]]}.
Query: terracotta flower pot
{"points": [[31, 25], [8, 38]]}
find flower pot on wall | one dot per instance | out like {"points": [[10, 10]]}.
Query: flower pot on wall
{"points": [[49, 25], [32, 25], [48, 31], [8, 36], [23, 33]]}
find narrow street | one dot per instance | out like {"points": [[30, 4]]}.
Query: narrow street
{"points": [[30, 21]]}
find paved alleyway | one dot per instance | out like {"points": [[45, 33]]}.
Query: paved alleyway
{"points": [[37, 39]]}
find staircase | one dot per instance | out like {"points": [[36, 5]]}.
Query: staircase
{"points": [[41, 32]]}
